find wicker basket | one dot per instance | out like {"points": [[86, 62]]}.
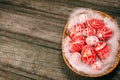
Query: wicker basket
{"points": [[110, 69]]}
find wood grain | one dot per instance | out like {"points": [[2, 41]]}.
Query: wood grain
{"points": [[63, 8], [6, 75], [37, 27], [31, 35]]}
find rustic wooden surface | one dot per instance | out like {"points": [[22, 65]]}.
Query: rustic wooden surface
{"points": [[31, 34]]}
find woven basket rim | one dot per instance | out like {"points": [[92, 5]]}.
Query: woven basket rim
{"points": [[107, 71]]}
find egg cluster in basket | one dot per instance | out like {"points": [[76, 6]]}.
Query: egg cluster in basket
{"points": [[90, 42]]}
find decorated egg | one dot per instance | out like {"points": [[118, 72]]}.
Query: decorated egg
{"points": [[77, 28], [94, 23], [97, 65], [76, 57], [91, 40], [76, 43], [102, 49], [88, 55], [89, 31], [104, 33]]}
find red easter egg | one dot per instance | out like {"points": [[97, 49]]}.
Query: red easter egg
{"points": [[88, 54], [102, 49], [76, 57], [76, 43], [78, 38], [104, 33], [77, 28], [89, 32], [95, 23], [92, 40]]}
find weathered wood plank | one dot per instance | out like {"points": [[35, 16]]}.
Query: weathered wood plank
{"points": [[2, 78], [93, 4], [10, 73], [31, 40], [108, 3], [39, 28], [46, 22], [105, 3], [36, 13], [31, 58], [63, 8], [6, 75], [41, 5]]}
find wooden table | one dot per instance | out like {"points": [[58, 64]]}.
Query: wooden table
{"points": [[31, 34]]}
